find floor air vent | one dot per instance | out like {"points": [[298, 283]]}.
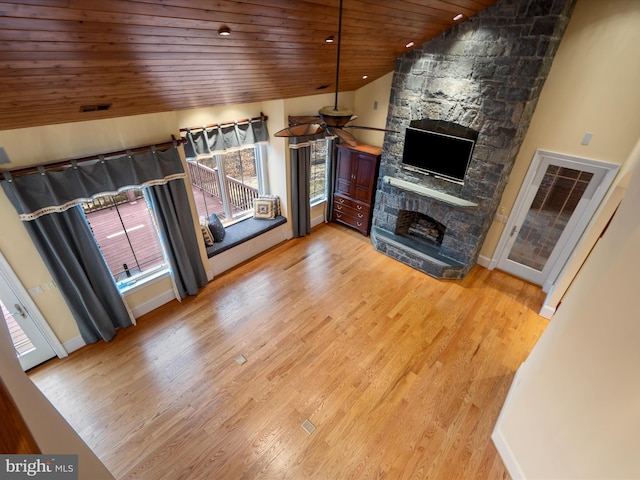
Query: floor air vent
{"points": [[95, 108]]}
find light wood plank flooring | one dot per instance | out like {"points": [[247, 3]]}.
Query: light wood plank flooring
{"points": [[402, 374]]}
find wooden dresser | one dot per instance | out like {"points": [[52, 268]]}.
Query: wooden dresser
{"points": [[355, 185]]}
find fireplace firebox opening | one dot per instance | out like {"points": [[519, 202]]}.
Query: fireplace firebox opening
{"points": [[420, 227]]}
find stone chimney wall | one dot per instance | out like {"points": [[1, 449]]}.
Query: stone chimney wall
{"points": [[486, 74]]}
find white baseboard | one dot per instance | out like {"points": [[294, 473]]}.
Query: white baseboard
{"points": [[510, 463], [484, 261], [76, 343], [317, 220], [547, 311], [500, 442], [149, 305]]}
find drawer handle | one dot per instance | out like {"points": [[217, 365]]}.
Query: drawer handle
{"points": [[339, 207], [341, 200], [359, 224], [338, 215], [360, 215], [359, 207]]}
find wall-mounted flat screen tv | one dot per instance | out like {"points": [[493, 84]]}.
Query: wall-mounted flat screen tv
{"points": [[438, 154]]}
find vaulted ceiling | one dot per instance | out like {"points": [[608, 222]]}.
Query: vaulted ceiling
{"points": [[59, 57]]}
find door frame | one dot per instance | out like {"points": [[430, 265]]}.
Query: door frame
{"points": [[14, 283], [523, 202]]}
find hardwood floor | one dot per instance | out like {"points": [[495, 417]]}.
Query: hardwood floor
{"points": [[402, 374]]}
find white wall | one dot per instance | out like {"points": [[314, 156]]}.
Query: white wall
{"points": [[371, 106], [574, 411]]}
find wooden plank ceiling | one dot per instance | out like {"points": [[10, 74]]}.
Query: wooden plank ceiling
{"points": [[145, 56]]}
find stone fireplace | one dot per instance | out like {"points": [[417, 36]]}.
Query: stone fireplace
{"points": [[430, 234], [484, 74]]}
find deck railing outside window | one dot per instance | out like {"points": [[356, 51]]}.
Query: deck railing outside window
{"points": [[125, 232], [204, 178], [228, 200], [241, 195]]}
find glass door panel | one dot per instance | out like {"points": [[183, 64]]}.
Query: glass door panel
{"points": [[553, 205]]}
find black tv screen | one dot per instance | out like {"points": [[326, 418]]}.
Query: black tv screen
{"points": [[436, 153]]}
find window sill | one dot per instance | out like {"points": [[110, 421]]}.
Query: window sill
{"points": [[315, 203], [144, 280]]}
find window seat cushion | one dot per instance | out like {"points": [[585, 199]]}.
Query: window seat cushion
{"points": [[242, 231]]}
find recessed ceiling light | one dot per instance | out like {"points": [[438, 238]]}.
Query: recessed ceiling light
{"points": [[410, 44], [224, 31], [329, 39], [458, 17]]}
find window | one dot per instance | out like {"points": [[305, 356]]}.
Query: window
{"points": [[125, 231], [319, 161], [232, 198]]}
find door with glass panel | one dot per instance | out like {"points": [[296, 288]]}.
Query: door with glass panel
{"points": [[29, 343], [554, 206]]}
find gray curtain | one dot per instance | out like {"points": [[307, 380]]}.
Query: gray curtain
{"points": [[57, 190], [300, 158], [48, 202], [219, 139], [171, 206], [66, 245]]}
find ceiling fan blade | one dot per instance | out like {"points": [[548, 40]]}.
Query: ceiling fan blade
{"points": [[345, 136], [294, 120], [300, 130]]}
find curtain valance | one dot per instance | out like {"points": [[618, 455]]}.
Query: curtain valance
{"points": [[45, 192], [210, 141]]}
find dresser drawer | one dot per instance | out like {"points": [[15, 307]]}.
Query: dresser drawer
{"points": [[342, 203], [357, 211], [361, 224]]}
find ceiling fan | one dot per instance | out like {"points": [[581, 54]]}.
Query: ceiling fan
{"points": [[330, 119]]}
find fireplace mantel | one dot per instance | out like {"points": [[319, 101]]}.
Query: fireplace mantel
{"points": [[429, 192]]}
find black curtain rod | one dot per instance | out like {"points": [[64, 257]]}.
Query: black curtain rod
{"points": [[227, 124], [66, 163]]}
